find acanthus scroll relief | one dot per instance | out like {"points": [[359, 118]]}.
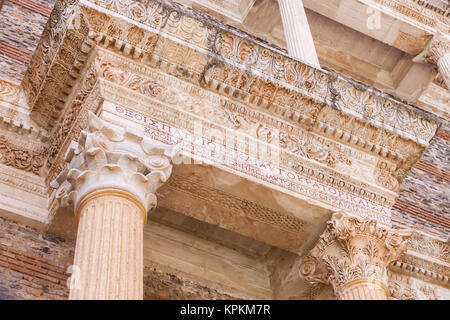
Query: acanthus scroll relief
{"points": [[402, 287], [19, 158]]}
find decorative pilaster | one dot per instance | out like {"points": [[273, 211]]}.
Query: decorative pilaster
{"points": [[437, 53], [352, 255], [111, 182], [299, 40]]}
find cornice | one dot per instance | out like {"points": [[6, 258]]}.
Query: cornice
{"points": [[153, 32]]}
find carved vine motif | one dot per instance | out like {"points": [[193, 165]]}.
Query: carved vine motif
{"points": [[130, 80], [74, 109], [408, 288], [311, 148], [430, 247], [429, 292], [19, 158], [399, 291]]}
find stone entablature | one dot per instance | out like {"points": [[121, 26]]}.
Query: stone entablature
{"points": [[276, 92], [161, 71], [155, 34]]}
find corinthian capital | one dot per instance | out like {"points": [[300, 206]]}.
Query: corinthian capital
{"points": [[110, 157], [438, 46], [353, 252]]}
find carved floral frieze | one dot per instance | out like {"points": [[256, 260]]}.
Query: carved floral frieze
{"points": [[429, 246], [20, 158], [200, 50], [404, 287]]}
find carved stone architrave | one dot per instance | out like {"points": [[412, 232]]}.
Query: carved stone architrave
{"points": [[353, 255], [198, 50]]}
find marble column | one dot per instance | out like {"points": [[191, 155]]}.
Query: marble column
{"points": [[298, 36], [353, 255], [111, 182], [443, 65], [437, 53]]}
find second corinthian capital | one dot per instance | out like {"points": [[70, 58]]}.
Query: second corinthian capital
{"points": [[352, 255]]}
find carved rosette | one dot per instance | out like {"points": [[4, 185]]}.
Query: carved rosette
{"points": [[109, 157], [352, 255]]}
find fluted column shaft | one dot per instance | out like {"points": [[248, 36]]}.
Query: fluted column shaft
{"points": [[364, 289], [111, 182], [443, 64], [109, 246], [299, 40]]}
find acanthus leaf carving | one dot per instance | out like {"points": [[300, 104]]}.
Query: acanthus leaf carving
{"points": [[110, 157], [353, 250]]}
